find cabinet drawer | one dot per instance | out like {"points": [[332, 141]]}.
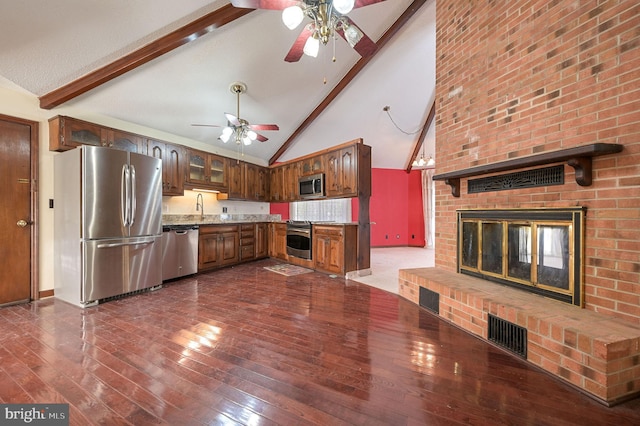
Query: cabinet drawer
{"points": [[330, 231], [212, 229], [247, 252], [247, 241]]}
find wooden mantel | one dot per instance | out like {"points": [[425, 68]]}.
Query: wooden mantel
{"points": [[580, 158]]}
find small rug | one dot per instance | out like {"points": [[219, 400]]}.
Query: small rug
{"points": [[288, 270]]}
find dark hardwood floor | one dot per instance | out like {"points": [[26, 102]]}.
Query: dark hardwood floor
{"points": [[245, 345]]}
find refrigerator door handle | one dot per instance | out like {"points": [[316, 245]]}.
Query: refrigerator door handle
{"points": [[135, 243], [133, 201], [124, 199]]}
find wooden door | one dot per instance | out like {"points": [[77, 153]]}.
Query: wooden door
{"points": [[17, 209]]}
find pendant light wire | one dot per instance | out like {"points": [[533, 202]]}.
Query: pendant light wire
{"points": [[386, 109]]}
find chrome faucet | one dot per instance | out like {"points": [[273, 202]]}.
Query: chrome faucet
{"points": [[200, 205]]}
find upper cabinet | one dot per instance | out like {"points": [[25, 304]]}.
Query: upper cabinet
{"points": [[312, 165], [206, 171], [67, 133], [276, 184], [346, 168], [256, 182], [341, 178], [173, 160], [236, 170]]}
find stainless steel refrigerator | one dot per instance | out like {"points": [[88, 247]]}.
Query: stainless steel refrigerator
{"points": [[107, 224]]}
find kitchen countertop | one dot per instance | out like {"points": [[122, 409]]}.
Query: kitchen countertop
{"points": [[215, 219]]}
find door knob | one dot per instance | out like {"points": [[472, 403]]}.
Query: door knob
{"points": [[22, 223]]}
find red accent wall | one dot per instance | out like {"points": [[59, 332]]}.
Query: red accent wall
{"points": [[280, 208], [396, 208]]}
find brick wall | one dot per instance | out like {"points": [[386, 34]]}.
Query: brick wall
{"points": [[516, 78]]}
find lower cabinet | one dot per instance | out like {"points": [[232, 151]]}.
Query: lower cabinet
{"points": [[218, 246], [278, 240], [261, 241], [247, 241], [335, 248], [224, 245]]}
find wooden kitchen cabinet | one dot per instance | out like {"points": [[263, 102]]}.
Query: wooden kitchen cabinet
{"points": [[276, 184], [312, 165], [335, 248], [278, 240], [172, 157], [236, 171], [218, 246], [247, 241], [262, 240], [66, 133], [291, 175], [341, 179], [256, 186], [206, 171]]}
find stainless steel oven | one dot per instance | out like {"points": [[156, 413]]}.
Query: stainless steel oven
{"points": [[299, 239]]}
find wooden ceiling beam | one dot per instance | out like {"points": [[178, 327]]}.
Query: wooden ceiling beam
{"points": [[141, 56], [423, 134], [353, 72]]}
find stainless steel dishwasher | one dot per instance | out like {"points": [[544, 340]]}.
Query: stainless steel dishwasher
{"points": [[179, 251]]}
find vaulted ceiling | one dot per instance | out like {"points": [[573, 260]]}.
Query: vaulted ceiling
{"points": [[47, 46]]}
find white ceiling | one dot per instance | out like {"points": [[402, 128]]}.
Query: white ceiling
{"points": [[46, 44]]}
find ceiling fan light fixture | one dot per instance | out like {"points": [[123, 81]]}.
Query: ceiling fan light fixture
{"points": [[343, 6], [246, 140], [226, 134], [312, 46], [353, 35], [252, 135], [292, 16]]}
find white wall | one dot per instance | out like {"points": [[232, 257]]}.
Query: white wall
{"points": [[16, 102]]}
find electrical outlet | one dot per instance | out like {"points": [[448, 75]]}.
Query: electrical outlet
{"points": [[50, 203]]}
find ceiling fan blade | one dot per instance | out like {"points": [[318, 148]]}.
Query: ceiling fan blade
{"points": [[363, 3], [206, 125], [265, 4], [297, 50], [365, 46], [232, 119], [261, 138], [264, 127]]}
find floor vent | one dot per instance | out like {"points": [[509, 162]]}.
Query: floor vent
{"points": [[429, 300], [508, 335]]}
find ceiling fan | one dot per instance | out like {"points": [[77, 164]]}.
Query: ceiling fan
{"points": [[240, 129], [329, 17]]}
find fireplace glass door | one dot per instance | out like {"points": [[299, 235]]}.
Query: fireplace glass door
{"points": [[540, 253]]}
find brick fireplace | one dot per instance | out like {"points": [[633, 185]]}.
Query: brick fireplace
{"points": [[525, 84]]}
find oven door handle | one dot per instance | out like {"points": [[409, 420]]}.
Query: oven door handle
{"points": [[299, 232]]}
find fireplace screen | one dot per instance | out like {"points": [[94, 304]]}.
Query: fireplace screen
{"points": [[537, 250]]}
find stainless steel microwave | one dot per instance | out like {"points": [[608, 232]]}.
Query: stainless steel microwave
{"points": [[311, 186]]}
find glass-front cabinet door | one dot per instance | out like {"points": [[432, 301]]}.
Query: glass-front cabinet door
{"points": [[217, 175], [207, 171], [197, 168], [78, 132]]}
